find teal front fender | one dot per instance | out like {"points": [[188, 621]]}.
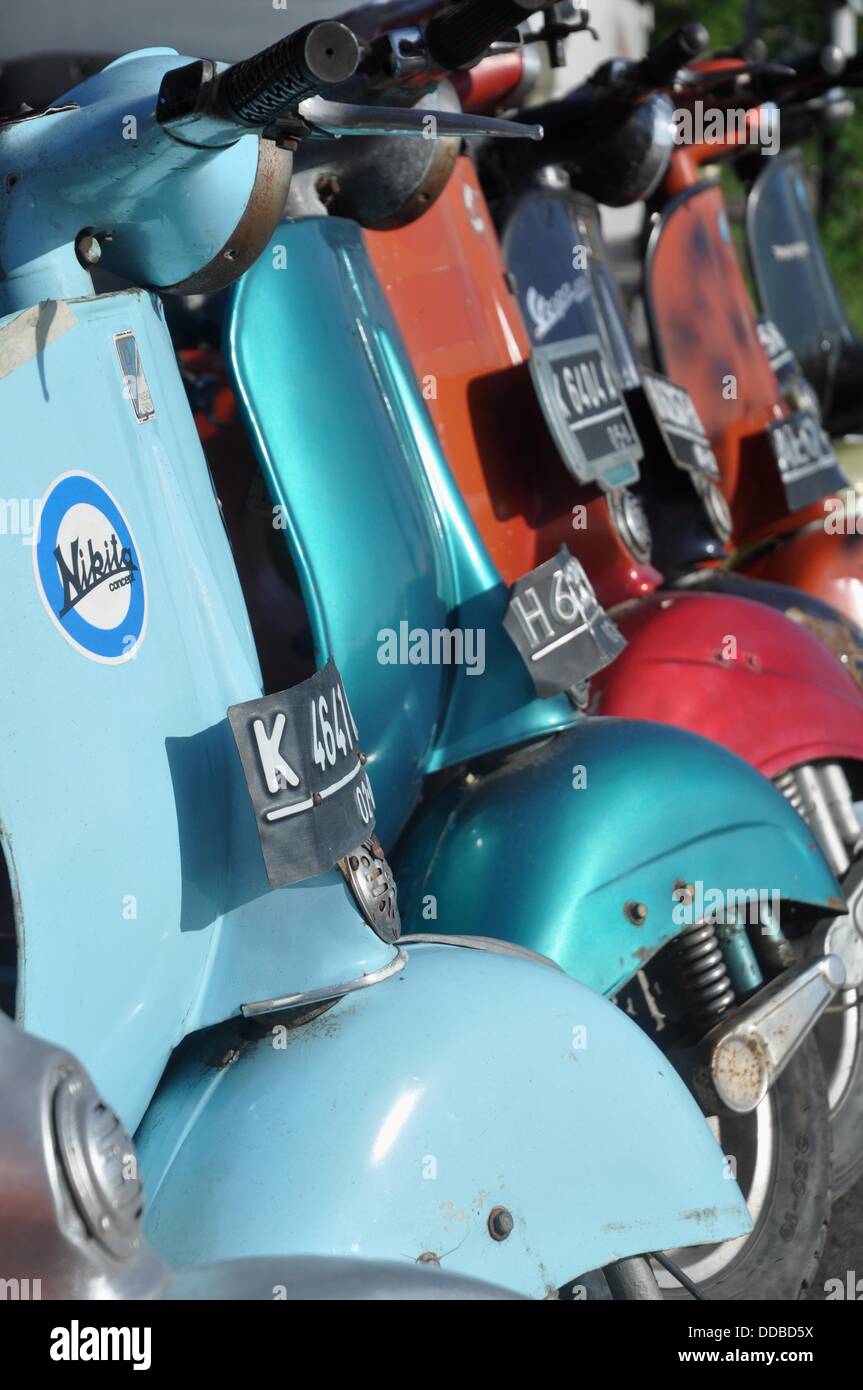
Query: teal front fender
{"points": [[562, 847], [392, 1125]]}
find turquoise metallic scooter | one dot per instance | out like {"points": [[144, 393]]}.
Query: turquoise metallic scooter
{"points": [[513, 816], [300, 1083]]}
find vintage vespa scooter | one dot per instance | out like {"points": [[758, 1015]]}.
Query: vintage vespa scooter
{"points": [[794, 516], [140, 921], [716, 663], [473, 853], [797, 292]]}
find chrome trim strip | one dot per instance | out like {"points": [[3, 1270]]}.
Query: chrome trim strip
{"points": [[314, 996], [480, 943]]}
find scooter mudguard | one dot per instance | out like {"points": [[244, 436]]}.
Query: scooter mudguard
{"points": [[127, 830], [320, 1140], [836, 631], [363, 490], [575, 850], [697, 660]]}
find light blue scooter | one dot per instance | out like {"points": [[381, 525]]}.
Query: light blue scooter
{"points": [[300, 1083]]}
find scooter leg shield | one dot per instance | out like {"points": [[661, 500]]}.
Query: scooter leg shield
{"points": [[478, 1110], [575, 848]]}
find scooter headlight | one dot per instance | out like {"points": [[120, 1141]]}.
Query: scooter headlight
{"points": [[630, 522], [715, 505]]}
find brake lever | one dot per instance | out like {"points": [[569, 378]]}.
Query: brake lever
{"points": [[333, 119]]}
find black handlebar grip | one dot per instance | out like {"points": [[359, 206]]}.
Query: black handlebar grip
{"points": [[828, 61], [672, 54], [459, 35], [257, 89], [852, 73]]}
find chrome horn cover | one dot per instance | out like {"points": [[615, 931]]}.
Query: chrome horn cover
{"points": [[373, 885]]}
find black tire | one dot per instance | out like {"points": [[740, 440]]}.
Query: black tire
{"points": [[846, 1119], [780, 1258]]}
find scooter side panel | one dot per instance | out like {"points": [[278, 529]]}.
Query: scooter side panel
{"points": [[566, 1115], [737, 672], [127, 826], [352, 461], [555, 851]]}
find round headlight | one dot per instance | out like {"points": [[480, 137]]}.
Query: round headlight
{"points": [[715, 505], [630, 522]]}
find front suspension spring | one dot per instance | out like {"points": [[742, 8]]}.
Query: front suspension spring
{"points": [[703, 974]]}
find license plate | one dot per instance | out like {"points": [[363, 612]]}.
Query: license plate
{"points": [[305, 774], [585, 409], [773, 342], [806, 460], [563, 633], [679, 424]]}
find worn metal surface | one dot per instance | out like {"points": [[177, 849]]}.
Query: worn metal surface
{"points": [[422, 1140], [745, 1055]]}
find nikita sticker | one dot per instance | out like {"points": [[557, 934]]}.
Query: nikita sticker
{"points": [[88, 570]]}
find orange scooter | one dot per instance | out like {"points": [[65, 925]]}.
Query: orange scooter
{"points": [[794, 518]]}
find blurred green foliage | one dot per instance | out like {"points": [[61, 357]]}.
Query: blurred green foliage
{"points": [[789, 27]]}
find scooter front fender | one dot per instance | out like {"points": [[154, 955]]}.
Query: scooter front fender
{"points": [[738, 672], [575, 849], [393, 1125]]}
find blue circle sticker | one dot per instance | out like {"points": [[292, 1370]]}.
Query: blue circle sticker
{"points": [[88, 570]]}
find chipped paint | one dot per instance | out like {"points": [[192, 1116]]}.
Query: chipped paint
{"points": [[31, 332]]}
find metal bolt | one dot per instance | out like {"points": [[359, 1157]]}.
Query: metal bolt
{"points": [[500, 1223], [88, 249], [636, 913]]}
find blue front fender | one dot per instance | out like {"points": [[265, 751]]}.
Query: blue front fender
{"points": [[392, 1125], [552, 849]]}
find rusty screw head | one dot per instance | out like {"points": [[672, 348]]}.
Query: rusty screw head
{"points": [[636, 913], [683, 892], [500, 1223]]}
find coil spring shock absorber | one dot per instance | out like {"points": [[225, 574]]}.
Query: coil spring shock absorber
{"points": [[703, 974]]}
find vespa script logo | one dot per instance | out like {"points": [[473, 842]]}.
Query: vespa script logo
{"points": [[88, 570], [546, 313]]}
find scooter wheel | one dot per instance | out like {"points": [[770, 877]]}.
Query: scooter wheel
{"points": [[839, 1034], [782, 1157]]}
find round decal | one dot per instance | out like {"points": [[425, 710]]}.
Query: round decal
{"points": [[88, 570]]}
